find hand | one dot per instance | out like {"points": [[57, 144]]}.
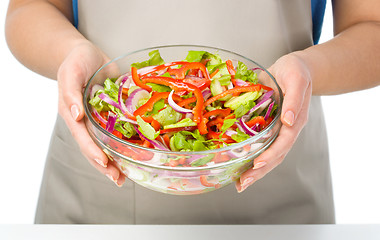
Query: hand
{"points": [[73, 74], [293, 76]]}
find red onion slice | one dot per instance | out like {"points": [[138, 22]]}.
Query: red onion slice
{"points": [[206, 94], [125, 119], [111, 121], [157, 144], [108, 100], [126, 80], [122, 77], [94, 89], [247, 129], [256, 127], [230, 133], [189, 115], [175, 106], [241, 83], [261, 105], [267, 114], [146, 70], [134, 98], [99, 117]]}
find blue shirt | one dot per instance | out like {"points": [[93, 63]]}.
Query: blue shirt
{"points": [[318, 8]]}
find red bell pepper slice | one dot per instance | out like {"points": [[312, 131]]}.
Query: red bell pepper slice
{"points": [[201, 83], [256, 120], [180, 73], [163, 66], [186, 101], [218, 112], [137, 81], [230, 68], [202, 126], [177, 85]]}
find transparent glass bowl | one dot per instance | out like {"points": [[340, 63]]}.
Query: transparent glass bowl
{"points": [[138, 163]]}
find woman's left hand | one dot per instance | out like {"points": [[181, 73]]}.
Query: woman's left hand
{"points": [[293, 76]]}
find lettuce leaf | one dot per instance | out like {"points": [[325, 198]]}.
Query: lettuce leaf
{"points": [[195, 56], [111, 89], [186, 122], [180, 142], [154, 59], [159, 88], [125, 128], [243, 73], [198, 56], [227, 124], [240, 136], [167, 116], [146, 129]]}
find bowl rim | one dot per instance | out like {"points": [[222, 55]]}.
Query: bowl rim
{"points": [[188, 153]]}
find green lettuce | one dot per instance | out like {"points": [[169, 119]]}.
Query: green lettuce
{"points": [[146, 129], [112, 90], [186, 122], [198, 56], [240, 136], [227, 124], [243, 99], [125, 128], [243, 73], [195, 56], [167, 116], [154, 59], [159, 88]]}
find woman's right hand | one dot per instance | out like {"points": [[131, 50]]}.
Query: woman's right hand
{"points": [[72, 76]]}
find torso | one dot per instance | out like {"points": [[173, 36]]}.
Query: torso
{"points": [[298, 191]]}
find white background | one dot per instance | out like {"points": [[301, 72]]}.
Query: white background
{"points": [[29, 108]]}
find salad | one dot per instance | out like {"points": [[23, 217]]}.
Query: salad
{"points": [[197, 104]]}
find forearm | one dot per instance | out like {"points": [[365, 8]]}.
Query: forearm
{"points": [[348, 62], [40, 36]]}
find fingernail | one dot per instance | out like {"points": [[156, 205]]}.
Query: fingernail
{"points": [[119, 184], [111, 178], [74, 111], [259, 165], [289, 118], [243, 187], [100, 162], [247, 182]]}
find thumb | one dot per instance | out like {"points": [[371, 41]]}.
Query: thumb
{"points": [[73, 75], [71, 80], [294, 79]]}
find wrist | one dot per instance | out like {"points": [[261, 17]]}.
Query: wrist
{"points": [[314, 62]]}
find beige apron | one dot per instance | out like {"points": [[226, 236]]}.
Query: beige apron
{"points": [[298, 191]]}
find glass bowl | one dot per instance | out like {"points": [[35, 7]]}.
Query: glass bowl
{"points": [[140, 164]]}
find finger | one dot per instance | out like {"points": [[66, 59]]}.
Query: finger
{"points": [[71, 83], [295, 90], [276, 153], [87, 146], [111, 171], [269, 159], [74, 73]]}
